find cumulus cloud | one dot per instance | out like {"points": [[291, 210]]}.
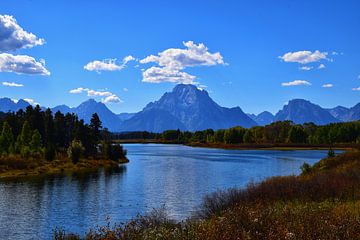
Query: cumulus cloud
{"points": [[172, 61], [111, 99], [107, 97], [108, 64], [321, 66], [22, 64], [12, 84], [305, 68], [78, 90], [159, 75], [304, 57], [328, 85], [13, 37], [296, 83], [125, 89], [356, 89]]}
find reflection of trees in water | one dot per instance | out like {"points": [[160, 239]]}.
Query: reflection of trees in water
{"points": [[35, 200]]}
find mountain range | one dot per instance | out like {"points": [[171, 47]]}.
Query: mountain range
{"points": [[186, 108], [191, 109]]}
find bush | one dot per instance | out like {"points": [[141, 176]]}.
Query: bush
{"points": [[114, 152], [331, 153], [75, 151], [305, 168]]}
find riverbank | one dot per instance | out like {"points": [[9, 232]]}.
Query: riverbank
{"points": [[279, 146], [15, 167], [321, 203]]}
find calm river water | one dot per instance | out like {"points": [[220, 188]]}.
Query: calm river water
{"points": [[173, 176]]}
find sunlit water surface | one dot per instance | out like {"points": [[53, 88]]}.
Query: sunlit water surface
{"points": [[173, 176]]}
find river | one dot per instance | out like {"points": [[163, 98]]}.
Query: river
{"points": [[174, 176]]}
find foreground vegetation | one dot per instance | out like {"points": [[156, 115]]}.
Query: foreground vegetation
{"points": [[35, 142], [322, 203], [277, 134]]}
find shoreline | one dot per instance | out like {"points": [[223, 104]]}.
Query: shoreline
{"points": [[61, 167], [244, 146]]}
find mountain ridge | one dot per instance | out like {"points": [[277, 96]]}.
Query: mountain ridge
{"points": [[188, 108], [193, 110]]}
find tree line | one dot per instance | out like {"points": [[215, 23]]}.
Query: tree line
{"points": [[43, 135], [282, 132]]}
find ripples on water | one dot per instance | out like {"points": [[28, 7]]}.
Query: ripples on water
{"points": [[171, 175]]}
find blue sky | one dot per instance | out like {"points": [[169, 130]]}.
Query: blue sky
{"points": [[242, 61]]}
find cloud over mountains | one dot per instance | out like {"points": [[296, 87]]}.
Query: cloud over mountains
{"points": [[172, 61]]}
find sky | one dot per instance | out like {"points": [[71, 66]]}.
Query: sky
{"points": [[254, 54]]}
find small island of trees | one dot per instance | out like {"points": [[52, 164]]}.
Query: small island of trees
{"points": [[36, 141]]}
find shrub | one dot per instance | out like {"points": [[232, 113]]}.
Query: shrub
{"points": [[331, 153], [75, 151], [305, 168]]}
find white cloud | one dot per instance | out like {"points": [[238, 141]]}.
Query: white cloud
{"points": [[304, 57], [356, 89], [93, 93], [78, 90], [193, 55], [296, 83], [112, 99], [12, 84], [22, 64], [159, 75], [125, 89], [107, 97], [328, 85], [321, 66], [108, 64], [31, 101], [305, 68], [13, 37], [171, 61]]}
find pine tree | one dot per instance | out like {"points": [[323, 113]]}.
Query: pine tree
{"points": [[6, 139], [35, 144], [26, 134]]}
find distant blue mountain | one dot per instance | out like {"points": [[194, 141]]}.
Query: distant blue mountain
{"points": [[263, 118], [346, 114], [186, 108], [301, 111], [8, 105], [86, 109], [125, 116]]}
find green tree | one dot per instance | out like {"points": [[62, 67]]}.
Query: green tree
{"points": [[35, 143], [219, 136], [75, 151], [297, 135], [248, 136], [6, 139], [24, 139]]}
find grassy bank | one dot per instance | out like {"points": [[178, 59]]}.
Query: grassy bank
{"points": [[244, 146], [322, 203], [18, 167]]}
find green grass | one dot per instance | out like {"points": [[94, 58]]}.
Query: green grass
{"points": [[14, 166]]}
